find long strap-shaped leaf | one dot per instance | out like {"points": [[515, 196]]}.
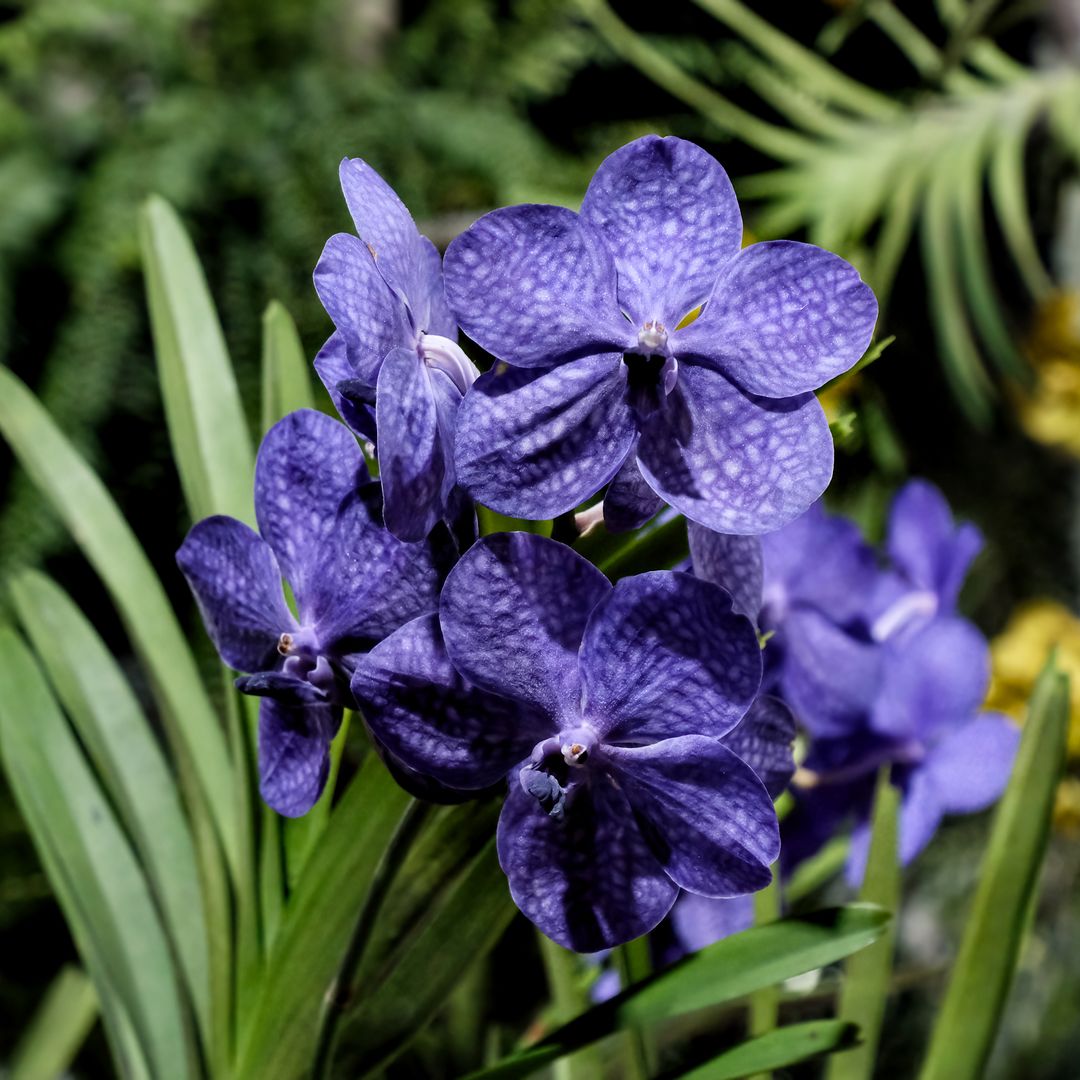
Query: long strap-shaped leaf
{"points": [[79, 497], [206, 421], [66, 812], [969, 1018], [286, 373], [59, 1027], [118, 738], [729, 969]]}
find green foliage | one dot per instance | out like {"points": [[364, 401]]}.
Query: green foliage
{"points": [[62, 1021]]}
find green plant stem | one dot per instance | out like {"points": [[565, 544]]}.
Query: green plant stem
{"points": [[343, 989], [765, 1003], [635, 964], [567, 1000]]}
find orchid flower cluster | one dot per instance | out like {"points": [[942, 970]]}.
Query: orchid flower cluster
{"points": [[639, 731]]}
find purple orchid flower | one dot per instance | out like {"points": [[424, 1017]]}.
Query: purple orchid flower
{"points": [[320, 527], [613, 711], [394, 358], [608, 378]]}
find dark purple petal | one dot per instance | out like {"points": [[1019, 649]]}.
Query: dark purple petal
{"points": [[415, 455], [513, 614], [784, 319], [821, 561], [765, 738], [700, 921], [665, 655], [237, 585], [366, 313], [587, 879], [285, 688], [732, 462], [668, 212], [294, 754], [927, 547], [933, 679], [629, 502], [830, 678], [732, 562], [432, 720], [706, 816], [386, 227], [308, 466], [353, 399], [535, 286], [970, 767], [535, 444]]}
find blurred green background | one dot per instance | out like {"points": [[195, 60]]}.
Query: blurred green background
{"points": [[936, 143]]}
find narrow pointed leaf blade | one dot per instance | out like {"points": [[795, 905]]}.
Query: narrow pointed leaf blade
{"points": [[969, 1017], [58, 1029], [286, 378], [207, 428]]}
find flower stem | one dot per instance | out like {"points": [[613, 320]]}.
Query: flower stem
{"points": [[567, 1000], [634, 965], [343, 990]]}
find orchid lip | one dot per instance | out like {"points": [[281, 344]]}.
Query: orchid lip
{"points": [[920, 603], [446, 356]]}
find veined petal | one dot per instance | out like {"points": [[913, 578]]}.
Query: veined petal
{"points": [[665, 655], [668, 212], [307, 467], [732, 562], [415, 462], [765, 739], [970, 767], [926, 545], [513, 614], [629, 502], [587, 879], [294, 754], [353, 399], [784, 318], [732, 462], [933, 679], [433, 311], [432, 720], [237, 585], [707, 817], [368, 315], [535, 444], [535, 286]]}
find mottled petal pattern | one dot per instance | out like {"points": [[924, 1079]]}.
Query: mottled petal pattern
{"points": [[432, 720], [308, 465], [629, 502], [732, 462], [732, 562], [536, 444], [587, 879], [970, 767], [433, 313], [665, 655], [367, 314], [535, 285], [765, 740], [513, 614], [294, 754], [707, 817], [415, 462], [668, 212], [237, 584], [353, 399], [784, 319]]}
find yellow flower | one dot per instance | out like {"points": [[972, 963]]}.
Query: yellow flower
{"points": [[1018, 654], [1050, 409]]}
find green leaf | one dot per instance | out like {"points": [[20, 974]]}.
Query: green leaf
{"points": [[286, 379], [207, 428], [865, 986], [83, 503], [80, 498], [119, 741], [970, 1015], [102, 887], [316, 926], [817, 871], [457, 930], [779, 1049], [731, 968], [59, 1028]]}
